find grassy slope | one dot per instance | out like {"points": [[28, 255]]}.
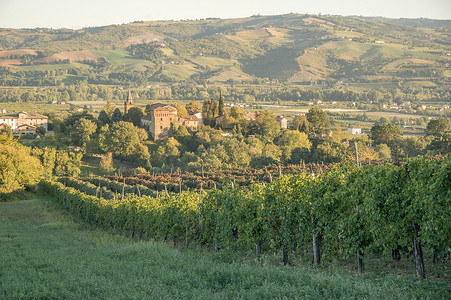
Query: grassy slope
{"points": [[43, 254]]}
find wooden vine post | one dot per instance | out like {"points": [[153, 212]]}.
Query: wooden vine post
{"points": [[359, 253], [417, 248]]}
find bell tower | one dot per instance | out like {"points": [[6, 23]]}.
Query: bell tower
{"points": [[128, 103]]}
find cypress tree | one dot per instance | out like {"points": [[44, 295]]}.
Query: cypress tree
{"points": [[103, 117], [221, 104], [117, 115]]}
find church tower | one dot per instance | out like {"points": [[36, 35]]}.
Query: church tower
{"points": [[128, 103]]}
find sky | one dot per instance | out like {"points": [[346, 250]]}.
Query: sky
{"points": [[86, 13]]}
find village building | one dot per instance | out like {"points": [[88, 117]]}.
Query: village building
{"points": [[191, 122], [24, 123], [355, 130], [161, 117], [26, 129], [250, 115], [128, 103], [282, 122]]}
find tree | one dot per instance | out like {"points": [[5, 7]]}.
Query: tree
{"points": [[48, 159], [18, 168], [237, 153], [106, 163], [383, 151], [237, 113], [117, 115], [169, 151], [40, 130], [103, 117], [384, 133], [441, 144], [272, 151], [148, 109], [82, 131], [109, 109], [221, 104], [70, 121], [123, 140], [291, 139], [207, 136], [255, 147], [300, 123], [192, 106], [318, 121], [330, 151], [134, 116], [437, 127], [383, 120], [190, 161], [7, 132], [266, 126], [209, 112], [67, 163], [181, 111]]}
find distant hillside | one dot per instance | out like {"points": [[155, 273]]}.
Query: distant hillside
{"points": [[289, 48], [419, 22]]}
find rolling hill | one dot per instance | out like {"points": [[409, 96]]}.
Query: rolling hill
{"points": [[292, 48]]}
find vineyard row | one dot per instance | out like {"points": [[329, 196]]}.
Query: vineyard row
{"points": [[343, 212]]}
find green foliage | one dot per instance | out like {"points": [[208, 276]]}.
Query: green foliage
{"points": [[109, 109], [437, 127], [67, 163], [192, 106], [318, 121], [221, 104], [82, 131], [300, 123], [59, 162], [209, 112], [383, 151], [54, 254], [385, 133], [117, 115], [291, 139], [169, 151], [181, 111], [72, 119], [18, 168], [87, 187], [123, 140], [370, 209], [441, 144], [265, 125], [6, 132], [134, 116], [106, 163], [103, 117], [41, 130]]}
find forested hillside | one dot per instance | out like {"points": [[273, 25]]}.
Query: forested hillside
{"points": [[292, 48]]}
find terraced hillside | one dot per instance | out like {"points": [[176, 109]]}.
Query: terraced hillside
{"points": [[289, 48]]}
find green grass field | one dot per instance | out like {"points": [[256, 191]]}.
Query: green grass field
{"points": [[44, 254], [121, 58]]}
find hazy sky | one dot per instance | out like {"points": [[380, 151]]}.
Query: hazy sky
{"points": [[83, 13]]}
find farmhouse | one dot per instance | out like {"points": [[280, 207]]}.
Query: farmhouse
{"points": [[24, 123], [355, 130], [282, 122]]}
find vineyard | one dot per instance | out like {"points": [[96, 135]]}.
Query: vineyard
{"points": [[202, 180], [340, 212]]}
